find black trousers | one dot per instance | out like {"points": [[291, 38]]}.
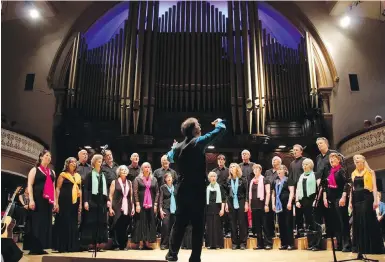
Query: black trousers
{"points": [[167, 223], [307, 211], [119, 231], [239, 225], [259, 221], [319, 215], [285, 223], [299, 214], [338, 218], [269, 227], [226, 223], [190, 209]]}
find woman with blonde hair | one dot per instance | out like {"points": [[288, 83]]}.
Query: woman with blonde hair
{"points": [[122, 207], [237, 206], [215, 207], [146, 196], [69, 205], [366, 229], [95, 206]]}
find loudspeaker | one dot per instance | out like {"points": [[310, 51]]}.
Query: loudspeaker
{"points": [[353, 79], [10, 251], [90, 259], [29, 80]]}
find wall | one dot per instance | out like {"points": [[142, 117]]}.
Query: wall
{"points": [[360, 50], [30, 47]]}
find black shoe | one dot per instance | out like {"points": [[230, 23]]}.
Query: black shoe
{"points": [[315, 249], [243, 247], [171, 258], [290, 248], [145, 247], [42, 252], [234, 247], [258, 248], [346, 250], [163, 247], [268, 248], [309, 248], [283, 248]]}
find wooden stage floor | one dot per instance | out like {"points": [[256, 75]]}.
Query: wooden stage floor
{"points": [[222, 255]]}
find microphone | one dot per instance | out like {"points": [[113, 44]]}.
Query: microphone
{"points": [[104, 148]]}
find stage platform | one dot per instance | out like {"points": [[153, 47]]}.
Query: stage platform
{"points": [[220, 255]]}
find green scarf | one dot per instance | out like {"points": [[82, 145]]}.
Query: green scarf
{"points": [[216, 188], [95, 183], [310, 185]]}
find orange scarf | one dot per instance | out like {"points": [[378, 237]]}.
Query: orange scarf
{"points": [[368, 178], [76, 180]]}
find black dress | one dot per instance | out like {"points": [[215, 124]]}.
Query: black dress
{"points": [[66, 221], [169, 219], [214, 228], [144, 222], [95, 219], [121, 221], [366, 229], [40, 222]]}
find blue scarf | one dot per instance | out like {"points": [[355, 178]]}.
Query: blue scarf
{"points": [[278, 189], [234, 187], [213, 187], [172, 202]]}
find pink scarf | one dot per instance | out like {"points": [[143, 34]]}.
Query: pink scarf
{"points": [[261, 191], [48, 191], [332, 178], [125, 190], [147, 203]]}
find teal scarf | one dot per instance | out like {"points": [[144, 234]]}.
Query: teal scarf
{"points": [[95, 183], [172, 202], [214, 187], [234, 187], [310, 185]]}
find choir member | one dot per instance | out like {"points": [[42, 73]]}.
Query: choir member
{"points": [[295, 171], [109, 168], [247, 165], [24, 210], [41, 184], [271, 175], [160, 172], [69, 205], [134, 167], [216, 200], [167, 206], [237, 204], [222, 175], [146, 194], [305, 193], [380, 211], [95, 206], [336, 198], [122, 207], [83, 168], [259, 199], [190, 157], [282, 198], [366, 229]]}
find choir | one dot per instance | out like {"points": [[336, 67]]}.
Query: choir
{"points": [[101, 200]]}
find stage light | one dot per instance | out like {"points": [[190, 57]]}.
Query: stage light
{"points": [[345, 21], [211, 147], [282, 146], [34, 13]]}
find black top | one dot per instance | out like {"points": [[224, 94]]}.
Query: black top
{"points": [[133, 172], [247, 170], [285, 193], [323, 166], [139, 189], [343, 181], [159, 175], [83, 170], [110, 173], [165, 196], [223, 175], [117, 198], [94, 199], [271, 175], [295, 169], [243, 190], [255, 202]]}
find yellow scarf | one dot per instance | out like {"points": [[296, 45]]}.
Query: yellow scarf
{"points": [[76, 180], [368, 178]]}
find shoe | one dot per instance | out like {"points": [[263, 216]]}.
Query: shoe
{"points": [[346, 250], [290, 248], [268, 248], [315, 249], [145, 247], [163, 247], [171, 258], [228, 235], [258, 248], [242, 247], [42, 252], [309, 248], [234, 247], [283, 248]]}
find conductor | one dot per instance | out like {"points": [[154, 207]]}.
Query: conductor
{"points": [[190, 157]]}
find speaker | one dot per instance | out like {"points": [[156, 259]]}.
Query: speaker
{"points": [[90, 259], [29, 81], [10, 251], [353, 79]]}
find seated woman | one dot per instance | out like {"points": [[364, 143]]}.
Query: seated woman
{"points": [[122, 208], [282, 197], [306, 192], [366, 229], [167, 205], [216, 199], [336, 197], [237, 206], [259, 197]]}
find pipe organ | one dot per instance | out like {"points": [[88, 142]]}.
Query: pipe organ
{"points": [[192, 59]]}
